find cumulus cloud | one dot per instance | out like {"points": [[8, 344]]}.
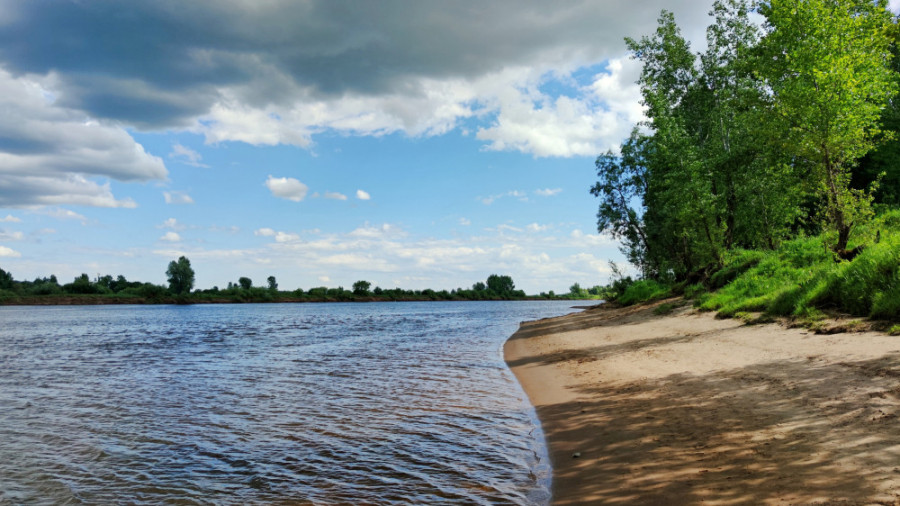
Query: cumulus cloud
{"points": [[279, 72], [9, 253], [548, 192], [335, 196], [186, 156], [170, 237], [10, 219], [363, 195], [279, 236], [7, 235], [54, 155], [177, 197], [465, 222], [287, 188], [63, 214], [536, 227], [522, 196], [173, 224]]}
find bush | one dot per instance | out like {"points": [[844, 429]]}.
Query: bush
{"points": [[643, 291]]}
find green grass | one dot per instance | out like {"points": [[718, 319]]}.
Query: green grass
{"points": [[644, 290], [802, 278]]}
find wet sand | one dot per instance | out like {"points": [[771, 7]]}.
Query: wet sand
{"points": [[688, 409]]}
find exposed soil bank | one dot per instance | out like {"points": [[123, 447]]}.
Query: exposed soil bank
{"points": [[688, 409]]}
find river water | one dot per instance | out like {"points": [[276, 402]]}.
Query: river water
{"points": [[383, 403]]}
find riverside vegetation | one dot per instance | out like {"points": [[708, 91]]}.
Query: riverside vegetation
{"points": [[765, 178], [180, 275]]}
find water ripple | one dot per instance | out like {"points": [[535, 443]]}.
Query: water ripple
{"points": [[328, 403]]}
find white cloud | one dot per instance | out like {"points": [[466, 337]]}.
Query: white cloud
{"points": [[594, 120], [173, 224], [177, 197], [280, 237], [287, 188], [10, 219], [522, 196], [170, 237], [534, 227], [286, 237], [62, 214], [324, 279], [548, 192], [507, 228], [9, 253], [54, 155], [363, 195], [335, 196], [186, 156], [6, 235], [465, 222], [230, 230], [369, 231]]}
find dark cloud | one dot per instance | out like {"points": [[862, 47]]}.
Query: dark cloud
{"points": [[160, 63]]}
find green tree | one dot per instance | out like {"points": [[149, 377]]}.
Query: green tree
{"points": [[180, 276], [361, 288], [827, 65], [245, 282], [273, 285], [6, 280], [500, 285], [622, 187]]}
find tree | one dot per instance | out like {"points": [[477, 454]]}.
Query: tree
{"points": [[479, 286], [622, 188], [501, 285], [6, 280], [245, 282], [180, 275], [361, 288], [827, 66], [273, 285]]}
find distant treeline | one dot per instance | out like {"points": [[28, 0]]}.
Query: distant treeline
{"points": [[118, 290]]}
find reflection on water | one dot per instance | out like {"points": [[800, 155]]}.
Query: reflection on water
{"points": [[325, 403]]}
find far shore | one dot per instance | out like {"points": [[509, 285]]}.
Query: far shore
{"points": [[102, 300], [685, 408]]}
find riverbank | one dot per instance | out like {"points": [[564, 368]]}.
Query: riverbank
{"points": [[640, 408]]}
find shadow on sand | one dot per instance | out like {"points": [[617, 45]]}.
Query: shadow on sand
{"points": [[788, 432]]}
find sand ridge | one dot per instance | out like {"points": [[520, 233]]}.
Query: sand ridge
{"points": [[690, 409]]}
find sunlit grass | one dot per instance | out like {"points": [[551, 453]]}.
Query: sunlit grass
{"points": [[802, 278]]}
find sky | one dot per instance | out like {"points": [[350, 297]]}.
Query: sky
{"points": [[410, 144]]}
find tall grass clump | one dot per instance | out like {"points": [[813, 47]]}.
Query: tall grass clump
{"points": [[644, 290], [802, 277]]}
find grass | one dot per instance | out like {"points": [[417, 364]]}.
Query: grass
{"points": [[645, 290], [802, 279]]}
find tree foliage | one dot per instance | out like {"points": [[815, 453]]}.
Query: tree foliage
{"points": [[180, 276], [752, 140], [361, 288], [827, 64]]}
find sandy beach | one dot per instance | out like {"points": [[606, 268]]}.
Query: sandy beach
{"points": [[689, 409]]}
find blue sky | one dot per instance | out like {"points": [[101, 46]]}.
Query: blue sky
{"points": [[409, 144]]}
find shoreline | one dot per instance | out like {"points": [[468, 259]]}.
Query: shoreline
{"points": [[638, 408]]}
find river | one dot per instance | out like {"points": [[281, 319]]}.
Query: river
{"points": [[383, 403]]}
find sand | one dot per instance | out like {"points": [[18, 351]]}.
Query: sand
{"points": [[690, 409]]}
